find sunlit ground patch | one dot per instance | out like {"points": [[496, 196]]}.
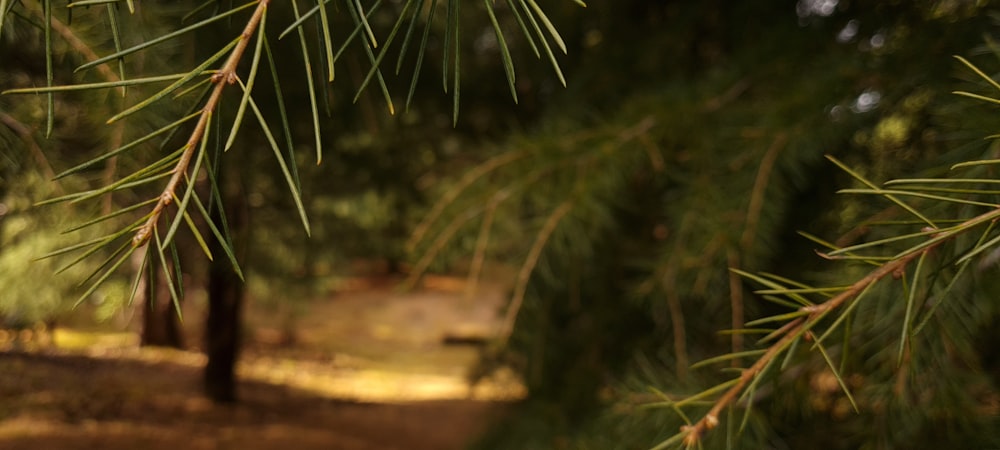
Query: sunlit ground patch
{"points": [[71, 339], [381, 385], [345, 377]]}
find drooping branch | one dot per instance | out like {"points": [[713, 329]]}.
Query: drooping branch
{"points": [[26, 135], [225, 76], [751, 223], [529, 266]]}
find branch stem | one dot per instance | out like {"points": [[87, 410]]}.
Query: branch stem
{"points": [[225, 76]]}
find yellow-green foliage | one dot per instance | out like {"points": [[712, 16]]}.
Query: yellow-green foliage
{"points": [[31, 291], [33, 288]]}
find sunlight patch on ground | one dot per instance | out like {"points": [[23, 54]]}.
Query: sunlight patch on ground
{"points": [[370, 342], [22, 426], [39, 338], [345, 377], [66, 338], [375, 385]]}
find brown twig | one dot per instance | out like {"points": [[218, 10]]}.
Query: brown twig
{"points": [[676, 322], [445, 235], [666, 275], [225, 76], [111, 167], [734, 92], [749, 233], [452, 194], [26, 135], [529, 266], [669, 283], [757, 194], [479, 254], [442, 238]]}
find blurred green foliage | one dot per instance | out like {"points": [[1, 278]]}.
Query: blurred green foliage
{"points": [[37, 289], [702, 149], [690, 139]]}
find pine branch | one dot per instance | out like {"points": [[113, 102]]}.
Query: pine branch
{"points": [[692, 434], [225, 76]]}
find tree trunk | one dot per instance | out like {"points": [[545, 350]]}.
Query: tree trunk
{"points": [[225, 304], [160, 323]]}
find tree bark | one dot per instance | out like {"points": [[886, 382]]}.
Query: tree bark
{"points": [[223, 326], [160, 323]]}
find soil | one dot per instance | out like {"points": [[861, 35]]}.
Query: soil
{"points": [[368, 371]]}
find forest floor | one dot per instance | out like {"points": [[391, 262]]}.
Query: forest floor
{"points": [[367, 370]]}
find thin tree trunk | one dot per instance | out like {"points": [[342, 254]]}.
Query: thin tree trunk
{"points": [[160, 323], [223, 327]]}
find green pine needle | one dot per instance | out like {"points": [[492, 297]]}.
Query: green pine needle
{"points": [[224, 241], [420, 55], [164, 38], [128, 249], [238, 120], [296, 195], [197, 71], [311, 84], [508, 62]]}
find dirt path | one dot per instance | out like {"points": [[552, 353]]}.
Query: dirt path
{"points": [[368, 372], [77, 402]]}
